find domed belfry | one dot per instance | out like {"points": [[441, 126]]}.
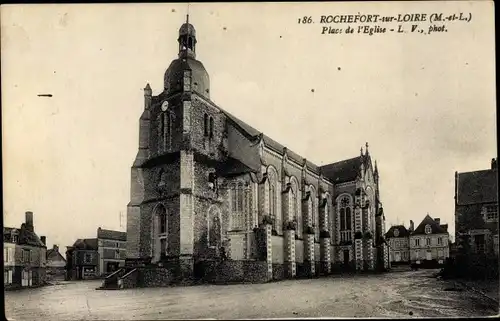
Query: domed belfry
{"points": [[214, 199], [175, 76]]}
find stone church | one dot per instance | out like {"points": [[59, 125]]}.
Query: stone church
{"points": [[215, 199]]}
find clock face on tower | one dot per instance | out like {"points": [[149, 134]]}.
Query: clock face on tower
{"points": [[164, 106]]}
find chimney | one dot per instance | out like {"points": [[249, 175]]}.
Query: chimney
{"points": [[411, 226], [438, 220], [43, 239], [29, 221], [493, 163], [445, 227]]}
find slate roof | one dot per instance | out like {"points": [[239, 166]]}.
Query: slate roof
{"points": [[436, 228], [254, 134], [477, 187], [343, 171], [111, 235], [403, 231], [24, 236], [85, 244]]}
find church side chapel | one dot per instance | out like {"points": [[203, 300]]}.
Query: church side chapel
{"points": [[213, 199]]}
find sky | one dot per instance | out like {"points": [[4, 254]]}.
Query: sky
{"points": [[425, 103]]}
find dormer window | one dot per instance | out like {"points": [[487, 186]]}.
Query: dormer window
{"points": [[428, 229], [396, 233], [15, 238]]}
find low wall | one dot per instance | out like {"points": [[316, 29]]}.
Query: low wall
{"points": [[155, 277], [232, 271]]}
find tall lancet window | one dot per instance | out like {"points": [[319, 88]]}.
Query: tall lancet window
{"points": [[238, 206], [345, 219], [167, 135], [159, 239], [161, 130], [295, 206], [273, 199], [205, 125]]}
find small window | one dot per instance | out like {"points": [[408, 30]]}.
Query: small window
{"points": [[428, 229], [440, 241], [15, 238], [428, 241], [26, 256], [88, 258], [211, 127], [417, 242], [491, 213], [117, 254], [205, 125]]}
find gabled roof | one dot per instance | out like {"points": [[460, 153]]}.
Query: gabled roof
{"points": [[85, 244], [111, 235], [436, 228], [477, 187], [343, 171], [53, 254], [403, 232]]}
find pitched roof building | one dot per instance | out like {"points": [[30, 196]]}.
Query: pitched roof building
{"points": [[476, 209], [427, 244], [24, 255]]}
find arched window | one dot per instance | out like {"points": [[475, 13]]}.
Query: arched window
{"points": [[345, 219], [205, 125], [238, 206], [294, 199], [273, 198], [161, 131], [159, 240], [342, 219], [314, 212], [214, 227], [211, 127], [348, 218], [169, 124]]}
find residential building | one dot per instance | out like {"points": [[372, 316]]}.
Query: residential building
{"points": [[24, 256], [476, 209], [95, 257], [82, 260], [429, 242], [56, 264], [211, 193], [398, 238], [112, 250]]}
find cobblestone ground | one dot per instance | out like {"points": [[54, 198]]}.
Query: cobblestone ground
{"points": [[399, 294]]}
